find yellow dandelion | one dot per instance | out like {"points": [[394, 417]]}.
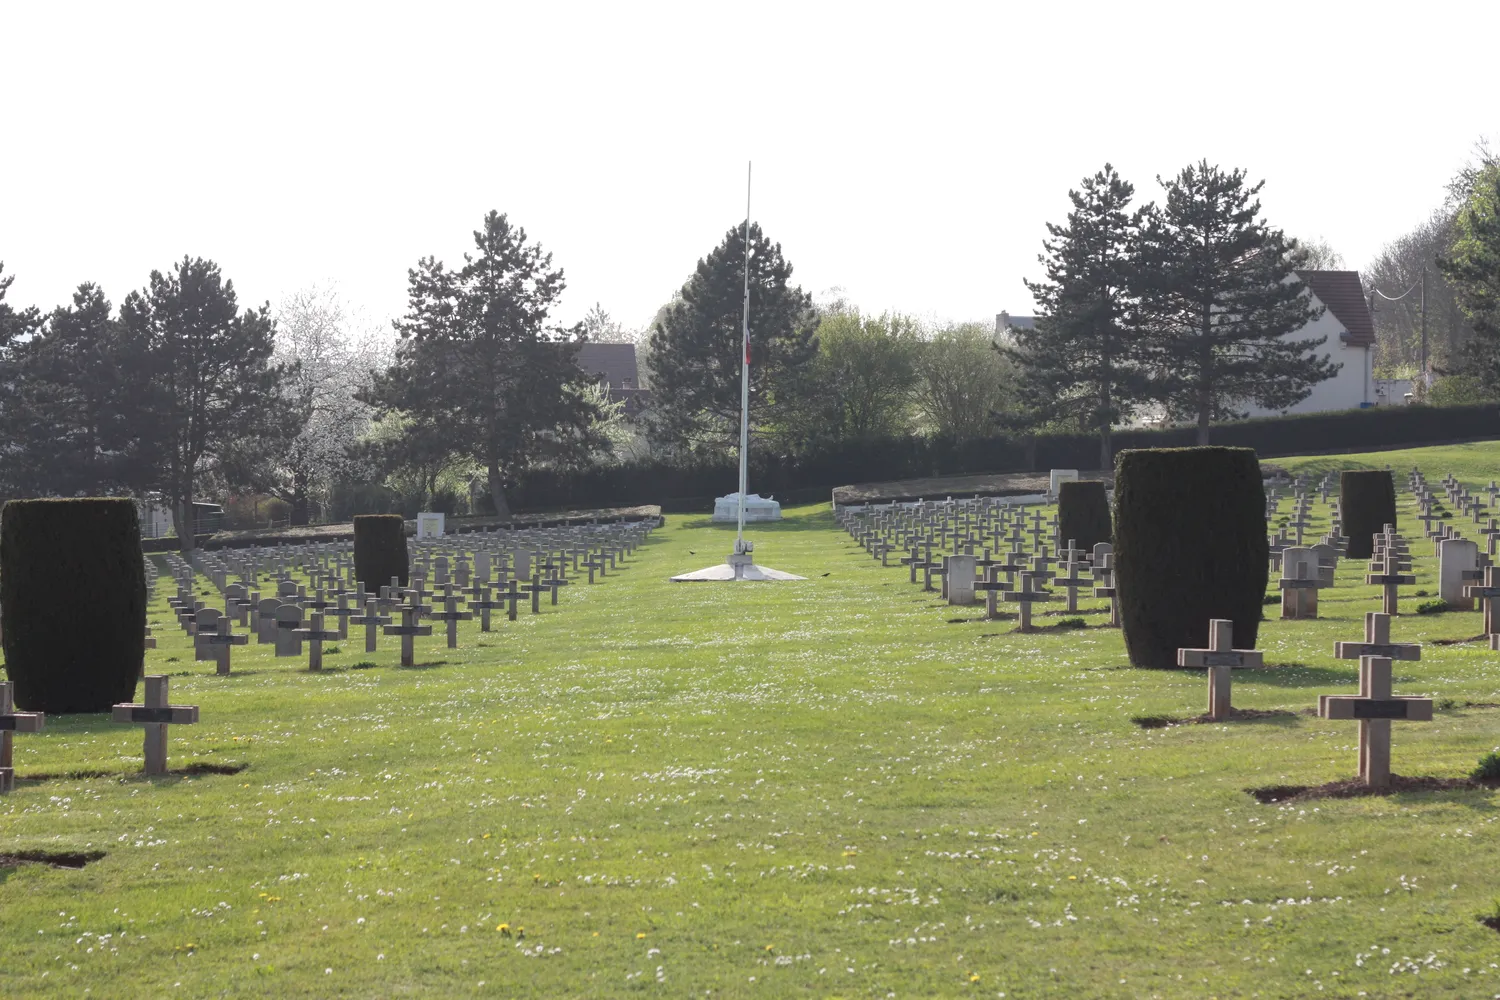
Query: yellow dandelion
{"points": [[503, 929], [641, 935], [973, 977], [770, 947]]}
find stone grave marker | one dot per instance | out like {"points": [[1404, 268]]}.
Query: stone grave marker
{"points": [[155, 715], [12, 722], [288, 621], [958, 579], [1389, 580], [1026, 596], [451, 615], [372, 619], [409, 629], [1456, 556], [1299, 583], [1377, 642], [1220, 658], [1374, 707], [216, 634], [315, 635]]}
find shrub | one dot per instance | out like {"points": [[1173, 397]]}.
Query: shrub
{"points": [[1367, 503], [1190, 545], [1488, 769], [1436, 607], [72, 602], [380, 550], [1083, 514]]}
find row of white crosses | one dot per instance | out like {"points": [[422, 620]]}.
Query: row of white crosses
{"points": [[1375, 707]]}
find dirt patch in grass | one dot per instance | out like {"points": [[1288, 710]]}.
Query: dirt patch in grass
{"points": [[57, 859], [1352, 788], [1235, 714], [1456, 642]]}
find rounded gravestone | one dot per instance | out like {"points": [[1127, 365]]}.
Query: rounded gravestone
{"points": [[72, 602], [380, 550], [1367, 503], [1083, 513], [1190, 546]]}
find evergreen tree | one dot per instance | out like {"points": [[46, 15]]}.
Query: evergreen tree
{"points": [[70, 429], [203, 380], [695, 350], [1217, 296], [479, 367], [1472, 267], [1082, 363], [15, 324]]}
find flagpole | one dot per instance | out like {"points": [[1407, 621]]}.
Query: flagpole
{"points": [[739, 543]]}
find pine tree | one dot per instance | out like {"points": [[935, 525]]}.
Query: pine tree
{"points": [[479, 366], [69, 425], [695, 350], [203, 379], [1217, 296], [1082, 361], [15, 325]]}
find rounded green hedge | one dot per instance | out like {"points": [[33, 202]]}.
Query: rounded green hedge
{"points": [[380, 550], [1367, 503], [1190, 545], [72, 602], [1083, 514]]}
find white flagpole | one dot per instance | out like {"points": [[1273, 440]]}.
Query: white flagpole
{"points": [[739, 544]]}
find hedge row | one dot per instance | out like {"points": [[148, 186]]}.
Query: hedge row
{"points": [[669, 483]]}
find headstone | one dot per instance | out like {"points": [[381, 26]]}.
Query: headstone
{"points": [[1377, 642], [958, 578], [1220, 658], [1456, 556], [155, 715], [1375, 707], [12, 722], [1057, 478], [430, 525]]}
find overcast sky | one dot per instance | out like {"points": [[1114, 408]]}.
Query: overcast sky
{"points": [[909, 154]]}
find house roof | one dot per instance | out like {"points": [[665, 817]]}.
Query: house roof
{"points": [[615, 363], [1344, 296]]}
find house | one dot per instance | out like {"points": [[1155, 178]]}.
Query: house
{"points": [[615, 366], [1350, 331]]}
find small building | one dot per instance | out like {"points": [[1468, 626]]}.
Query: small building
{"points": [[1349, 328], [615, 366]]}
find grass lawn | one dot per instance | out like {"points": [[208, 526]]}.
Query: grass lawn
{"points": [[833, 788]]}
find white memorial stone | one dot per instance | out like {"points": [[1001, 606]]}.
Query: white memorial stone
{"points": [[1456, 556], [757, 508], [1060, 476], [429, 525]]}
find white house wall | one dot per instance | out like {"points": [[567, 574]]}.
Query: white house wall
{"points": [[1352, 386]]}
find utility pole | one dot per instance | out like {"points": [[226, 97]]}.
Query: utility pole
{"points": [[1426, 375]]}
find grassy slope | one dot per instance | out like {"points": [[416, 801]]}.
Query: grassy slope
{"points": [[830, 788]]}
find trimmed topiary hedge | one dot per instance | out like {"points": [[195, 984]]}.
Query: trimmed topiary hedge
{"points": [[1190, 545], [1083, 513], [1367, 503], [380, 550], [72, 602]]}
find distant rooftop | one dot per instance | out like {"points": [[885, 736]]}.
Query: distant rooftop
{"points": [[1344, 296], [614, 363]]}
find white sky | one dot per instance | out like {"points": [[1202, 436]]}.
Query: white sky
{"points": [[909, 154]]}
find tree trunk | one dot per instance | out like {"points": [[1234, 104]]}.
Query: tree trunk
{"points": [[186, 526], [1106, 453], [1205, 376], [497, 491], [299, 499]]}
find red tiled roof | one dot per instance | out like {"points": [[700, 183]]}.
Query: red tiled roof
{"points": [[1344, 296]]}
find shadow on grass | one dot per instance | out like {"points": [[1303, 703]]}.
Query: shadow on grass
{"points": [[427, 665], [1275, 717], [171, 777], [72, 860]]}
